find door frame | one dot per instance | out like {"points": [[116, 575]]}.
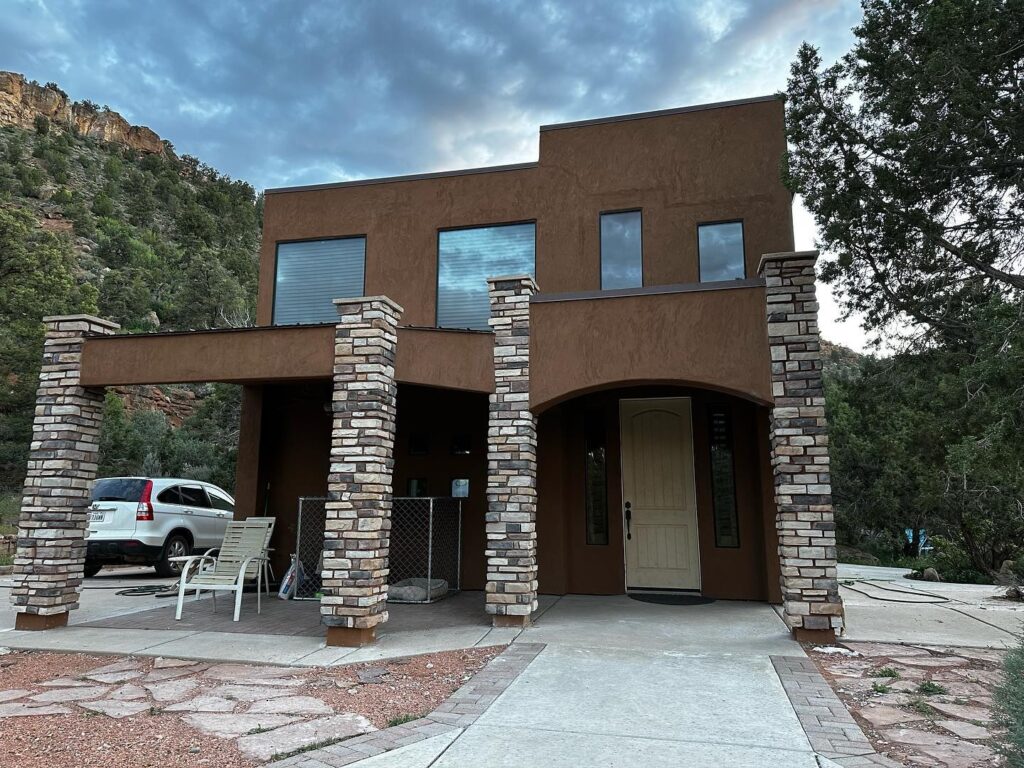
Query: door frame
{"points": [[622, 496]]}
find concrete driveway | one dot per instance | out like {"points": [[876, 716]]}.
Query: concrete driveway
{"points": [[883, 606], [99, 597], [623, 683]]}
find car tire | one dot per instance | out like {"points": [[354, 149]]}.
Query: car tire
{"points": [[177, 544], [91, 569]]}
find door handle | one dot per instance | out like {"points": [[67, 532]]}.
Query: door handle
{"points": [[629, 521]]}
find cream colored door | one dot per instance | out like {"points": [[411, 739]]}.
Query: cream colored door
{"points": [[658, 486]]}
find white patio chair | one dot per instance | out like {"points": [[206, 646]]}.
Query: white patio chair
{"points": [[241, 556]]}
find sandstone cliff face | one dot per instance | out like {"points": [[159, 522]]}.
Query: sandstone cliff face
{"points": [[22, 101]]}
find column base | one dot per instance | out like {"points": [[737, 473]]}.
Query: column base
{"points": [[507, 620], [816, 636], [33, 622], [351, 637]]}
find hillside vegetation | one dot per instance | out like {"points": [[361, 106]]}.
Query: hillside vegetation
{"points": [[151, 241]]}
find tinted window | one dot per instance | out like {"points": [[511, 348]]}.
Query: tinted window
{"points": [[621, 250], [311, 275], [596, 477], [219, 502], [118, 489], [466, 258], [723, 480], [169, 496], [192, 496], [721, 251]]}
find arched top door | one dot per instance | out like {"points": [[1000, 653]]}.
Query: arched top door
{"points": [[659, 494]]}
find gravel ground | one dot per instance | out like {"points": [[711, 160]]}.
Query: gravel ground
{"points": [[383, 692]]}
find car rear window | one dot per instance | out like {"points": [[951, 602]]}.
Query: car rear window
{"points": [[118, 489]]}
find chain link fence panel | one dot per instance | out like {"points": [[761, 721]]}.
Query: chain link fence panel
{"points": [[425, 557]]}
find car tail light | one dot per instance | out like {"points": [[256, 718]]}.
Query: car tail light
{"points": [[145, 508]]}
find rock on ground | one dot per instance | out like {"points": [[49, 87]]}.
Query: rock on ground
{"points": [[281, 741]]}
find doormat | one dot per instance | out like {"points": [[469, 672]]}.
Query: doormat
{"points": [[653, 597]]}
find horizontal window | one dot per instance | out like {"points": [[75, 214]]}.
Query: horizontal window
{"points": [[466, 258], [621, 250], [721, 251], [312, 274]]}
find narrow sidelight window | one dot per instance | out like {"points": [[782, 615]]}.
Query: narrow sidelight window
{"points": [[310, 275], [621, 250], [467, 257], [723, 480], [721, 251], [596, 477]]}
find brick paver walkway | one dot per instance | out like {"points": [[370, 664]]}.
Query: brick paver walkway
{"points": [[461, 709], [830, 728]]}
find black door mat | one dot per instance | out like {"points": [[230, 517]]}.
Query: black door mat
{"points": [[667, 599]]}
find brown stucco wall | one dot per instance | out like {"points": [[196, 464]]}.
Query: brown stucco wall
{"points": [[681, 169], [715, 339], [453, 359]]}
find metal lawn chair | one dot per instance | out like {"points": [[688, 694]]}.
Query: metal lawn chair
{"points": [[241, 556]]}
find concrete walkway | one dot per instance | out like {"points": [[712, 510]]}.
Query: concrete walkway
{"points": [[883, 606], [623, 683]]}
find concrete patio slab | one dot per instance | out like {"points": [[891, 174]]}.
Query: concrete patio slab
{"points": [[621, 622]]}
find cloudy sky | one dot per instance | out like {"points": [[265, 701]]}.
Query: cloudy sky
{"points": [[283, 93]]}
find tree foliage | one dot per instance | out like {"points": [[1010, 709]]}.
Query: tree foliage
{"points": [[909, 152], [159, 241]]}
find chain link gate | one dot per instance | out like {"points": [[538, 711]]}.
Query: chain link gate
{"points": [[426, 549], [425, 556]]}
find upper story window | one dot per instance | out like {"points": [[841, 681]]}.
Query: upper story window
{"points": [[467, 257], [310, 275], [621, 250], [721, 251]]}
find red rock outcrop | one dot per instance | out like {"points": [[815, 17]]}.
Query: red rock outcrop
{"points": [[21, 101]]}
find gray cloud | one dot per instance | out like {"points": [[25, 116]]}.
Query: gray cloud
{"points": [[286, 93]]}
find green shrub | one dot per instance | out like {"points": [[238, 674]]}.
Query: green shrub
{"points": [[1009, 699], [42, 124]]}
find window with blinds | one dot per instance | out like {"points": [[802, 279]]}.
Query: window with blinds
{"points": [[621, 250], [312, 274], [467, 257]]}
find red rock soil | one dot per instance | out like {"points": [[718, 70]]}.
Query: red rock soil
{"points": [[920, 706], [410, 688]]}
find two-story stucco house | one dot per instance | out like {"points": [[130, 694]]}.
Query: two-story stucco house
{"points": [[611, 355]]}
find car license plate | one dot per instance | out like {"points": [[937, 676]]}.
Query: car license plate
{"points": [[95, 517]]}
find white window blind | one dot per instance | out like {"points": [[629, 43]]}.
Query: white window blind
{"points": [[467, 257], [310, 275]]}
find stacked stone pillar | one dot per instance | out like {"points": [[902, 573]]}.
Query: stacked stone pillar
{"points": [[800, 460], [511, 593], [50, 556], [358, 524]]}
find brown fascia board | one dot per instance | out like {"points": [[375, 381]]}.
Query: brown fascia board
{"points": [[661, 113], [410, 177], [522, 166]]}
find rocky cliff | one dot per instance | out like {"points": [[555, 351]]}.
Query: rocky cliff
{"points": [[22, 101]]}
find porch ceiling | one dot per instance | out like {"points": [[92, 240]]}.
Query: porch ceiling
{"points": [[428, 356]]}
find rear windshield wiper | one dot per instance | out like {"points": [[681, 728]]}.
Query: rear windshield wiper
{"points": [[109, 498]]}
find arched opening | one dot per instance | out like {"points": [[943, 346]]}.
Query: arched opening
{"points": [[695, 465]]}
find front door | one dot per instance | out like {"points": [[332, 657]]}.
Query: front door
{"points": [[658, 494]]}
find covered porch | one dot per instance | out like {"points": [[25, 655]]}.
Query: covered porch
{"points": [[367, 410]]}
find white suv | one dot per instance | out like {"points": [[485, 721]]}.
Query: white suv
{"points": [[148, 520]]}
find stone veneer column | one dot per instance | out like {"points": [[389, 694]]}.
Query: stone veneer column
{"points": [[511, 592], [358, 524], [799, 438], [50, 558]]}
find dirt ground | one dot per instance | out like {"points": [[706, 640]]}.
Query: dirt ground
{"points": [[49, 704], [920, 705]]}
